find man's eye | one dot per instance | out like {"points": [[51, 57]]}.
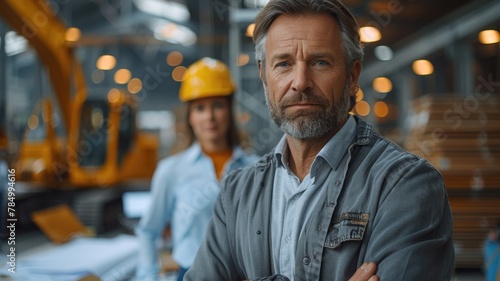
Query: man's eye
{"points": [[282, 64], [322, 63]]}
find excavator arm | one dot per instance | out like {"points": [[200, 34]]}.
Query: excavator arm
{"points": [[37, 22], [93, 153]]}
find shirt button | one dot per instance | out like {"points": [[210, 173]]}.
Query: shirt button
{"points": [[337, 182], [306, 260], [288, 240]]}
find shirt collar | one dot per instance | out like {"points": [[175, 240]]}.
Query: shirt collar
{"points": [[364, 131], [195, 153], [332, 152], [335, 148], [280, 151]]}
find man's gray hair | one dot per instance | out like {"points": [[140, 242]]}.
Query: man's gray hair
{"points": [[351, 45], [348, 26]]}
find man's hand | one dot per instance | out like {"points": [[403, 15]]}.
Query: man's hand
{"points": [[365, 273]]}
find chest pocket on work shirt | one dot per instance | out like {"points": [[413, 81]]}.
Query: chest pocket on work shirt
{"points": [[348, 227]]}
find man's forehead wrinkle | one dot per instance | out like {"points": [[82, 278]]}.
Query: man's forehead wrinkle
{"points": [[291, 46], [311, 38], [299, 40], [291, 35], [283, 40], [304, 39]]}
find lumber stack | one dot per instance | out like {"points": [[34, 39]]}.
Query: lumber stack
{"points": [[460, 136]]}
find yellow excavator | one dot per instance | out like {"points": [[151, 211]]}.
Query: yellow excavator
{"points": [[101, 145]]}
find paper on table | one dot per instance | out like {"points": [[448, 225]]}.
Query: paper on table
{"points": [[82, 256]]}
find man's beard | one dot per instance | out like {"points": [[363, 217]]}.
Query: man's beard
{"points": [[310, 123]]}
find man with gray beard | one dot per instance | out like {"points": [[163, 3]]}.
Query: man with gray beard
{"points": [[333, 200]]}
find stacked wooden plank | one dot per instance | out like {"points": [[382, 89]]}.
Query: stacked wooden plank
{"points": [[460, 136]]}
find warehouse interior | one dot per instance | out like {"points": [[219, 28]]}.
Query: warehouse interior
{"points": [[430, 82]]}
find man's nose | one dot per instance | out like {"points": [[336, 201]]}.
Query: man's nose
{"points": [[301, 78]]}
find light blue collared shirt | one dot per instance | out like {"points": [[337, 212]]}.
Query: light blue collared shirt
{"points": [[292, 198], [183, 191]]}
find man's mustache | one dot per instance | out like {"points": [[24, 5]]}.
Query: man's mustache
{"points": [[303, 97]]}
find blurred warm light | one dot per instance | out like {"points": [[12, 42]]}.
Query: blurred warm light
{"points": [[33, 122], [179, 73], [362, 108], [250, 30], [72, 34], [97, 119], [359, 95], [243, 59], [171, 10], [380, 109], [113, 95], [174, 58], [122, 76], [422, 67], [97, 76], [383, 53], [106, 62], [489, 37], [134, 86], [169, 29], [369, 34], [382, 84], [174, 33]]}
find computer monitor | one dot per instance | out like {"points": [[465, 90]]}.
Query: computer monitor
{"points": [[135, 203]]}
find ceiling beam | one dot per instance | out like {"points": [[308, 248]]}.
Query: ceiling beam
{"points": [[466, 21], [242, 16]]}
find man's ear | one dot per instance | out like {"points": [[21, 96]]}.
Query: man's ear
{"points": [[259, 63], [354, 77]]}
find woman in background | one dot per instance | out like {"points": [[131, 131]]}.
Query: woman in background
{"points": [[185, 185]]}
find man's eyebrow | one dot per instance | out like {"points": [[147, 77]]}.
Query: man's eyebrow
{"points": [[321, 55], [313, 56], [279, 56]]}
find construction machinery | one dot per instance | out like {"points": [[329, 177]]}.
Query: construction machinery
{"points": [[100, 144]]}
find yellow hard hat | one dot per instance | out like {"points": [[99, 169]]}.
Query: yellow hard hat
{"points": [[206, 78]]}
